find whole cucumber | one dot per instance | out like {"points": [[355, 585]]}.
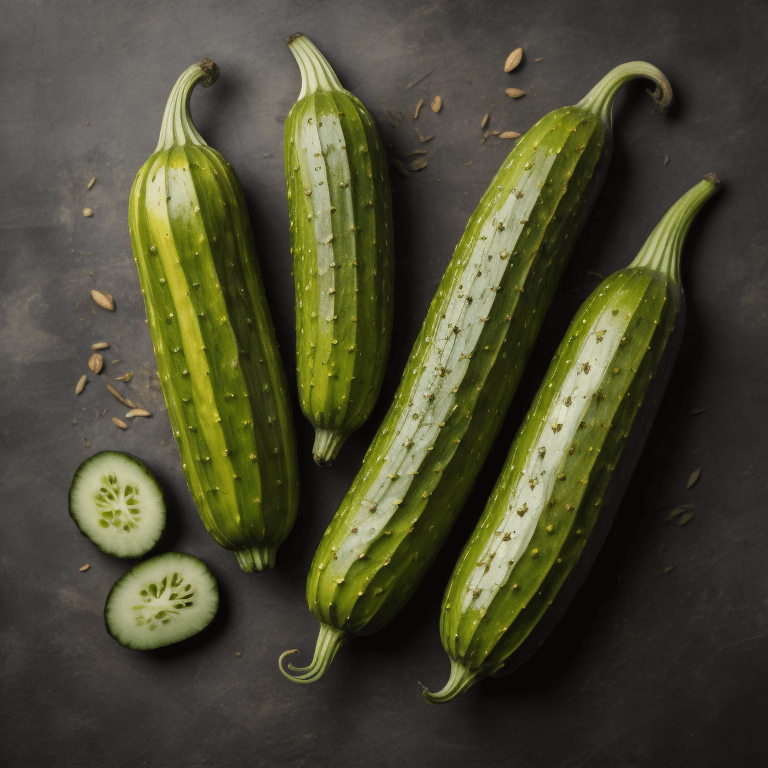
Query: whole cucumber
{"points": [[569, 464], [340, 211], [463, 371], [217, 356]]}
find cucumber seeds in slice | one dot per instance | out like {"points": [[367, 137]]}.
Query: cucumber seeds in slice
{"points": [[116, 502], [161, 601]]}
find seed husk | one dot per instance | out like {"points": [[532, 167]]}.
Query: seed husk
{"points": [[487, 135], [666, 159], [118, 423], [514, 93], [119, 396], [96, 362], [91, 182], [103, 299], [485, 120], [667, 570], [469, 163], [513, 60], [401, 169], [417, 152], [694, 478], [509, 135], [541, 58], [81, 384], [84, 567], [674, 513], [418, 108], [423, 139], [137, 412], [436, 104], [100, 345], [88, 213], [684, 518], [698, 411], [417, 165], [126, 377]]}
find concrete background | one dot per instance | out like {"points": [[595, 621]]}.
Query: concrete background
{"points": [[645, 669]]}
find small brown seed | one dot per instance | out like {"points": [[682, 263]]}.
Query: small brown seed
{"points": [[81, 384], [485, 120], [513, 60], [84, 567], [509, 135], [487, 135], [418, 108], [541, 58], [694, 478], [100, 345], [685, 518], [88, 213], [417, 152], [515, 93], [96, 362], [425, 139], [436, 104], [119, 423], [417, 165], [666, 159], [103, 299], [118, 395], [137, 412], [91, 182]]}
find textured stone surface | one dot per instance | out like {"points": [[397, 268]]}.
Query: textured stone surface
{"points": [[645, 670]]}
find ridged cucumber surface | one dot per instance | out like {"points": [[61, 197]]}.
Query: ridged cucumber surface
{"points": [[462, 372], [566, 471], [217, 355], [340, 212]]}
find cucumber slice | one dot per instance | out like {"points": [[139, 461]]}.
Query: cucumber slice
{"points": [[116, 502], [161, 601]]}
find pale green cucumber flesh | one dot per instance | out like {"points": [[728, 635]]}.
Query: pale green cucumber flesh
{"points": [[117, 503], [342, 249], [163, 600]]}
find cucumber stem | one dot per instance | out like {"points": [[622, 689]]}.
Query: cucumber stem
{"points": [[329, 641], [256, 558], [663, 248], [316, 72], [177, 128], [327, 446], [600, 99], [461, 678]]}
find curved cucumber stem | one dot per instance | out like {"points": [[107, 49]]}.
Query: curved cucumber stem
{"points": [[177, 128], [316, 72], [327, 446], [600, 99], [663, 248], [256, 558], [461, 678], [329, 641]]}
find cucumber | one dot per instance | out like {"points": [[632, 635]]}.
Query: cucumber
{"points": [[217, 355], [340, 210], [569, 464], [462, 371], [161, 601], [117, 503]]}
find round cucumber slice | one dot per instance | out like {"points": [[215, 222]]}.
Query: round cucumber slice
{"points": [[161, 601], [116, 502]]}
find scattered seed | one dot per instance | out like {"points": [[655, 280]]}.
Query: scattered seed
{"points": [[541, 58], [684, 518], [397, 165], [436, 104], [116, 360], [666, 159], [694, 478], [513, 60], [509, 135], [674, 513], [418, 108], [88, 213], [100, 345], [81, 384], [84, 567], [118, 395], [91, 182], [469, 163], [238, 654], [514, 93], [595, 274], [119, 423], [96, 362], [417, 152], [126, 377], [417, 165], [487, 135], [103, 299], [486, 117], [698, 411], [667, 570], [137, 412]]}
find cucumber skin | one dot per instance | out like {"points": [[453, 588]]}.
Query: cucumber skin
{"points": [[403, 502], [217, 355], [526, 600], [343, 287]]}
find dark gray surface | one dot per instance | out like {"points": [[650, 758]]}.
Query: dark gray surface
{"points": [[644, 670]]}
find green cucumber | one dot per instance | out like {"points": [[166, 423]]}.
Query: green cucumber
{"points": [[569, 464], [217, 355], [462, 372], [117, 503], [341, 240], [161, 601]]}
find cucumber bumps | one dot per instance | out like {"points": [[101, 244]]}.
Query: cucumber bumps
{"points": [[566, 472], [462, 372], [216, 351], [341, 240]]}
